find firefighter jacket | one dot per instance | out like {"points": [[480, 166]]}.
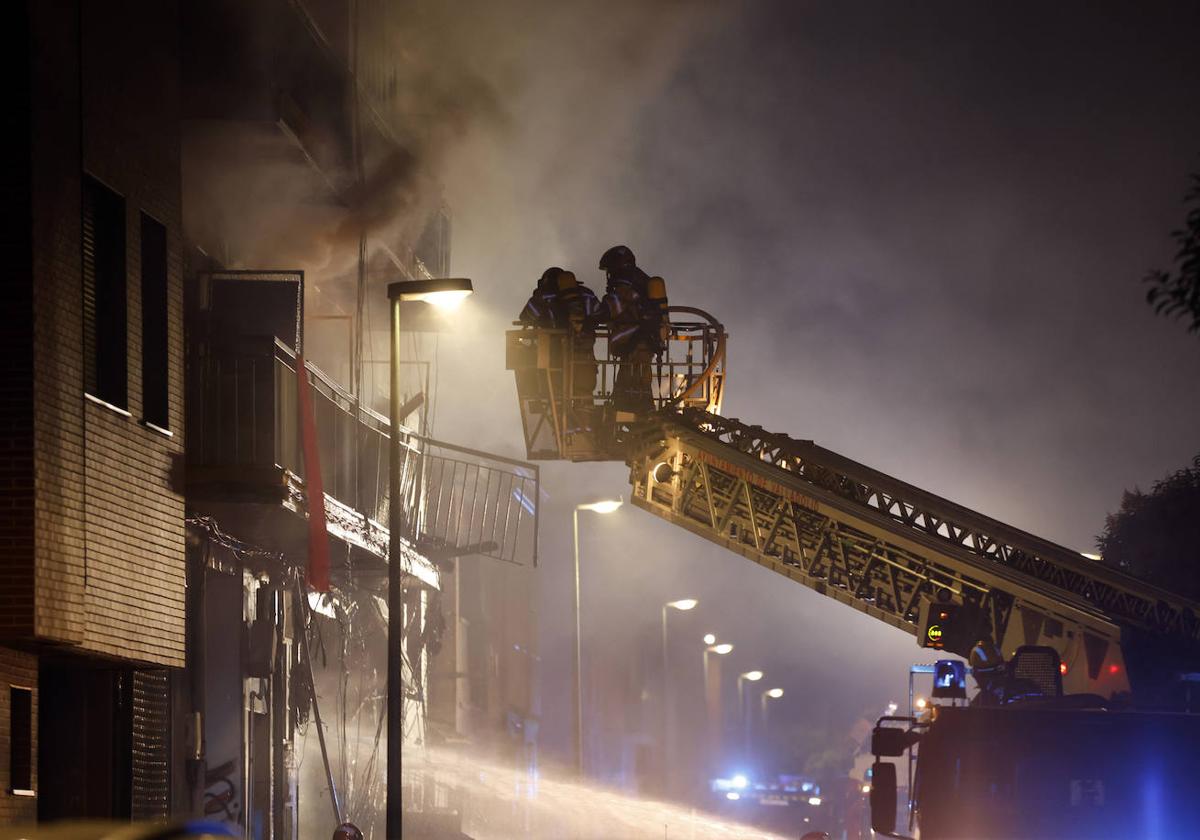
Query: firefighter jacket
{"points": [[540, 310], [577, 307], [621, 309]]}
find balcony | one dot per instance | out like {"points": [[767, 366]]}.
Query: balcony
{"points": [[245, 466]]}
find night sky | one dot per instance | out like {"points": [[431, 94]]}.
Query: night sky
{"points": [[924, 226]]}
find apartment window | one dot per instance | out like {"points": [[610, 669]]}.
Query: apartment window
{"points": [[20, 742], [154, 323], [104, 301]]}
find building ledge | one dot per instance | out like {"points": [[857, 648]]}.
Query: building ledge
{"points": [[353, 528]]}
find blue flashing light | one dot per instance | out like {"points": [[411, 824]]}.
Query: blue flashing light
{"points": [[739, 781], [733, 796]]}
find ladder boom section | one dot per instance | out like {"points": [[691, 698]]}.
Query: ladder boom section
{"points": [[881, 545]]}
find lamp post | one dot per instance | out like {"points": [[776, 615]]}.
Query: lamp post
{"points": [[605, 506], [769, 694], [445, 293], [748, 676], [711, 646], [712, 699], [683, 604]]}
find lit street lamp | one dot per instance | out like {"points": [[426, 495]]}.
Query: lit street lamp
{"points": [[445, 293], [604, 506], [722, 649], [712, 700], [749, 676], [769, 694], [683, 605]]}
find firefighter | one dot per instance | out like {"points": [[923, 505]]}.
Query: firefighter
{"points": [[987, 666], [624, 309], [541, 309], [541, 312], [577, 306]]}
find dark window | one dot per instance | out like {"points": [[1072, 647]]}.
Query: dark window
{"points": [[154, 323], [20, 743], [104, 304]]}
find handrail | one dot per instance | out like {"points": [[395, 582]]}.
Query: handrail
{"points": [[717, 358]]}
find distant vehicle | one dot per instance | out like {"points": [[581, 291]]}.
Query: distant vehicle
{"points": [[1041, 767], [109, 830]]}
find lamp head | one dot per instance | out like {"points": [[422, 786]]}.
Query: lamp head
{"points": [[775, 693], [603, 506], [710, 639], [683, 604], [753, 676], [722, 649], [443, 292]]}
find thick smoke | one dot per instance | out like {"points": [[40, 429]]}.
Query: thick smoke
{"points": [[923, 228]]}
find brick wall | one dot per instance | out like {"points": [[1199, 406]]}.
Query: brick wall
{"points": [[19, 669], [109, 519], [135, 516], [57, 384]]}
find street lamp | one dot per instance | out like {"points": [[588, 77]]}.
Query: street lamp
{"points": [[748, 676], [683, 605], [443, 293], [603, 506], [769, 694], [711, 646], [712, 700]]}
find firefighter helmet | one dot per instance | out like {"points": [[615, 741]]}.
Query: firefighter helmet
{"points": [[566, 280], [549, 279], [347, 831], [616, 258]]}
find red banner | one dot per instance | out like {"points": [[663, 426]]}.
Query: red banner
{"points": [[318, 537]]}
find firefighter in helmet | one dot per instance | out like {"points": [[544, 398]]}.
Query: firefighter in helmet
{"points": [[543, 311], [541, 308], [626, 309], [576, 310]]}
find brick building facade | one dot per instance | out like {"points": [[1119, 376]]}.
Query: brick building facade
{"points": [[92, 557]]}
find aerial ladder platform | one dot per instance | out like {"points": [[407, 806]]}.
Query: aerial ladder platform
{"points": [[875, 543]]}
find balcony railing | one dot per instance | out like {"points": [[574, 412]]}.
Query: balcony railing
{"points": [[244, 429], [243, 421]]}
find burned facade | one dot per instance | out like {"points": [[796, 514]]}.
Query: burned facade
{"points": [[206, 203]]}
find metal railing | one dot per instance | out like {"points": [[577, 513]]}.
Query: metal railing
{"points": [[479, 503], [243, 420], [243, 427], [568, 385]]}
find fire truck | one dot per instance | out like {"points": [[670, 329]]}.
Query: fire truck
{"points": [[1109, 644]]}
